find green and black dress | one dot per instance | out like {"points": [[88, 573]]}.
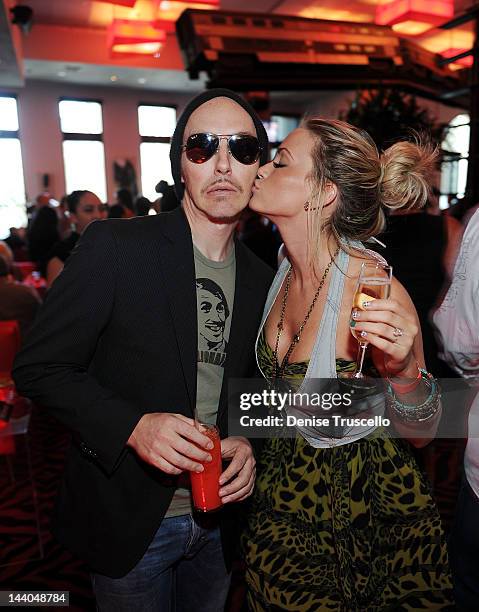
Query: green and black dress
{"points": [[345, 528]]}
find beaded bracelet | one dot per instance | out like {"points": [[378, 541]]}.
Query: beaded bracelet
{"points": [[417, 412]]}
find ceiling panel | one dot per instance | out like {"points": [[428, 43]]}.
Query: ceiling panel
{"points": [[113, 76], [97, 15], [93, 13]]}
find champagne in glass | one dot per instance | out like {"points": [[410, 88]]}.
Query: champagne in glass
{"points": [[374, 283]]}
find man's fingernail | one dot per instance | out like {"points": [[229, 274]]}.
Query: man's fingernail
{"points": [[209, 458], [210, 445], [199, 469]]}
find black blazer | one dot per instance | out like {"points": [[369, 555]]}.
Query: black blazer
{"points": [[117, 338]]}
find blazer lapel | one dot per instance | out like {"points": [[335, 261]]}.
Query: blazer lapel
{"points": [[178, 268]]}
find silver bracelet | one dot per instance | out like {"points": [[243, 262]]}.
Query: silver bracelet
{"points": [[417, 413]]}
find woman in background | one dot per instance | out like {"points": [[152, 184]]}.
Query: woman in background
{"points": [[83, 208]]}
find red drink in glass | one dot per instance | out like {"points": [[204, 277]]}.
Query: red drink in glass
{"points": [[205, 485]]}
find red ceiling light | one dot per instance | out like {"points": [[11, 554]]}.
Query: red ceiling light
{"points": [[414, 17], [208, 2], [128, 3], [128, 38]]}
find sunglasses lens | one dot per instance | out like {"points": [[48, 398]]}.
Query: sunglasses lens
{"points": [[201, 147], [245, 148]]}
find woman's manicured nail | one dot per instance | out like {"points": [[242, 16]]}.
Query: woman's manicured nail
{"points": [[352, 323], [363, 334], [366, 304]]}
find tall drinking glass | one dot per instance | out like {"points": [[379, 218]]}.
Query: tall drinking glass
{"points": [[205, 485], [374, 283]]}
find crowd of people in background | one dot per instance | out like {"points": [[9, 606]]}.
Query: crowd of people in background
{"points": [[32, 257], [55, 226]]}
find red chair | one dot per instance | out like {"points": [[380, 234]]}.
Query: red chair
{"points": [[7, 446], [15, 416], [25, 267], [9, 345]]}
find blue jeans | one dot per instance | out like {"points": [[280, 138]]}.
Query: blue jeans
{"points": [[183, 570], [464, 550]]}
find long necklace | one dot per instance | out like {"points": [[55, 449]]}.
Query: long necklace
{"points": [[279, 369]]}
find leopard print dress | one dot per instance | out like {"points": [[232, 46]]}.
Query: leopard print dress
{"points": [[348, 528]]}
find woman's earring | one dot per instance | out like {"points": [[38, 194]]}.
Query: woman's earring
{"points": [[306, 205]]}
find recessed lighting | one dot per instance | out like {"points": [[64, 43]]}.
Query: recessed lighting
{"points": [[113, 78], [142, 80]]}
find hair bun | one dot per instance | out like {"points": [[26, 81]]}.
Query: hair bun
{"points": [[406, 172]]}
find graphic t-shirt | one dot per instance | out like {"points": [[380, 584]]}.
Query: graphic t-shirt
{"points": [[215, 288]]}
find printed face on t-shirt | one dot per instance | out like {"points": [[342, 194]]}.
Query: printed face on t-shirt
{"points": [[212, 314]]}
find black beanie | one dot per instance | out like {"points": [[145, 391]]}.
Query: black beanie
{"points": [[177, 140]]}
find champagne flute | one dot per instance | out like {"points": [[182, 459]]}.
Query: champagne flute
{"points": [[374, 283]]}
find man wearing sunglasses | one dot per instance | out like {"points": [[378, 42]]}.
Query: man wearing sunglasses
{"points": [[117, 355]]}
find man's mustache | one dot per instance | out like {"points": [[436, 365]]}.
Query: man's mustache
{"points": [[222, 182]]}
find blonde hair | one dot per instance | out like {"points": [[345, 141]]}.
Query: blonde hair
{"points": [[366, 181]]}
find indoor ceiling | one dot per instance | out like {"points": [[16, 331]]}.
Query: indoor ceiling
{"points": [[94, 13], [52, 16]]}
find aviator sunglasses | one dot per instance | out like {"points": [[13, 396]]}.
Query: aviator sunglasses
{"points": [[199, 148]]}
